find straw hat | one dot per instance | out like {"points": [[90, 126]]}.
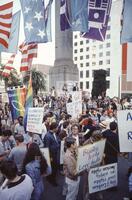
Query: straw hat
{"points": [[103, 124]]}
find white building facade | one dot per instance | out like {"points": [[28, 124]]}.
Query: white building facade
{"points": [[90, 55]]}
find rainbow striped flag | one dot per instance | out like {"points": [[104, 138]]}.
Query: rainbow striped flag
{"points": [[29, 101], [17, 97]]}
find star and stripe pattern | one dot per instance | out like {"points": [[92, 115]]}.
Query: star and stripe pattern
{"points": [[5, 23], [34, 21], [28, 51], [9, 66]]}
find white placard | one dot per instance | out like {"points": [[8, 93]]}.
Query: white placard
{"points": [[124, 118], [62, 153], [90, 155], [45, 152], [74, 108], [101, 178], [34, 120], [76, 96]]}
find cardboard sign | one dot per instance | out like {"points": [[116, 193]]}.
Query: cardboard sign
{"points": [[90, 155], [34, 120], [45, 152], [124, 118], [101, 178]]}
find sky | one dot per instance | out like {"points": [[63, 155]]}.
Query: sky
{"points": [[45, 51]]}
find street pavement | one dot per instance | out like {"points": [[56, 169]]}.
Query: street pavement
{"points": [[55, 193]]}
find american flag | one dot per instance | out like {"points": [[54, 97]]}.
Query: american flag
{"points": [[5, 23], [9, 66], [29, 51]]}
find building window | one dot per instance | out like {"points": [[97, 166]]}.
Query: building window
{"points": [[87, 73], [81, 85], [87, 64], [81, 64], [75, 36], [87, 48], [81, 57], [107, 61], [87, 41], [81, 74], [94, 48], [75, 43], [101, 46], [87, 56], [94, 56], [87, 84], [100, 62], [107, 53], [81, 50], [75, 51], [101, 54], [75, 58], [108, 72], [107, 84], [108, 36], [108, 28], [81, 42], [93, 63], [108, 45]]}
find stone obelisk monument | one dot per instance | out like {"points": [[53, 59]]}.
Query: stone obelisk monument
{"points": [[64, 71]]}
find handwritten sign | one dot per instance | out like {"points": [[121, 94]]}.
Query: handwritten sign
{"points": [[90, 155], [34, 120], [74, 108], [101, 178], [124, 118], [45, 152], [77, 96]]}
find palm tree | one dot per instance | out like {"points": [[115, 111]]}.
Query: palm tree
{"points": [[38, 80]]}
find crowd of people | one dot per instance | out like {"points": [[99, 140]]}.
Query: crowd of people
{"points": [[23, 167]]}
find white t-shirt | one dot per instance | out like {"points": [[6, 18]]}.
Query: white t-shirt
{"points": [[21, 191]]}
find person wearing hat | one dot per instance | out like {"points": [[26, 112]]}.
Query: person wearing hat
{"points": [[103, 125], [72, 177]]}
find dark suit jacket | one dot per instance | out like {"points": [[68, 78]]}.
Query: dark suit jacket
{"points": [[53, 145]]}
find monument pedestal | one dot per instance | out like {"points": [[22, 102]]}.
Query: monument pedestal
{"points": [[64, 71], [64, 74]]}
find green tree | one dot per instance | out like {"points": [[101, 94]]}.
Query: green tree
{"points": [[12, 80], [38, 80]]}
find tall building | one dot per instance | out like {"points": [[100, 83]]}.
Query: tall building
{"points": [[90, 55]]}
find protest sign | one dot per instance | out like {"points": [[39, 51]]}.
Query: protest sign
{"points": [[45, 152], [124, 118], [70, 108], [101, 178], [76, 96], [90, 155], [34, 120], [74, 108], [62, 152]]}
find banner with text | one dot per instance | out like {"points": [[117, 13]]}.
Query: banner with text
{"points": [[34, 120], [90, 155], [124, 118], [101, 178]]}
